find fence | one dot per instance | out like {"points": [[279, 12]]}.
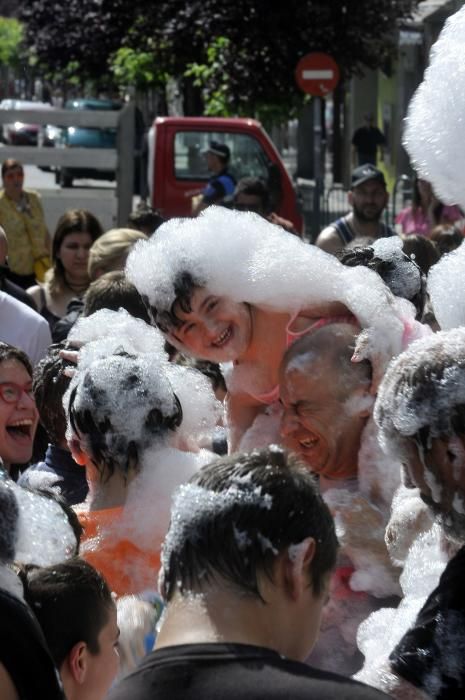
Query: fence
{"points": [[319, 211]]}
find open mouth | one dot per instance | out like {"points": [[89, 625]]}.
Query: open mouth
{"points": [[223, 338], [20, 429], [308, 443]]}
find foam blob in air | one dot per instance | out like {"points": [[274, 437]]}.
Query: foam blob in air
{"points": [[435, 125], [244, 257], [447, 290]]}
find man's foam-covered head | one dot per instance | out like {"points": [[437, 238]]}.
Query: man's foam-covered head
{"points": [[326, 400], [237, 515], [420, 411], [118, 406]]}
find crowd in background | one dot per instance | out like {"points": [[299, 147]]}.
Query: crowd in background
{"points": [[309, 445]]}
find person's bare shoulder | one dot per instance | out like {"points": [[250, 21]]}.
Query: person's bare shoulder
{"points": [[7, 688], [35, 294], [329, 240]]}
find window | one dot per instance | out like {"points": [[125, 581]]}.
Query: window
{"points": [[248, 158]]}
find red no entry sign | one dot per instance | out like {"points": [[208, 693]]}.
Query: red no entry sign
{"points": [[317, 74]]}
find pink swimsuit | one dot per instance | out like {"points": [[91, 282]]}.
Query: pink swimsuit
{"points": [[272, 396]]}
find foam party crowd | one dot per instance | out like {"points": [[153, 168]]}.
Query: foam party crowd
{"points": [[240, 469]]}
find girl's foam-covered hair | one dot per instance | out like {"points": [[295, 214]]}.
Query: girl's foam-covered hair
{"points": [[242, 256]]}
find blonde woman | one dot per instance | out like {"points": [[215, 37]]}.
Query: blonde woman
{"points": [[109, 253]]}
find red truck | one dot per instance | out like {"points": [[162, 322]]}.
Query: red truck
{"points": [[178, 169]]}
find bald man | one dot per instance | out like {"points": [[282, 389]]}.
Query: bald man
{"points": [[327, 410], [5, 284], [326, 401]]}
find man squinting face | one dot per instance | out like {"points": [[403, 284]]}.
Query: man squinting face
{"points": [[318, 423]]}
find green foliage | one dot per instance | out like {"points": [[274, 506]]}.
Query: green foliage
{"points": [[242, 55], [213, 79], [137, 68], [11, 37]]}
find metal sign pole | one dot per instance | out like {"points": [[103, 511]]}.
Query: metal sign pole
{"points": [[125, 168], [317, 162]]}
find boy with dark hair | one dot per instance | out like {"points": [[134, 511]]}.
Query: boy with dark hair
{"points": [[246, 565], [59, 470], [114, 291], [76, 612]]}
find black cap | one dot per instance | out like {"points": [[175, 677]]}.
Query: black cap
{"points": [[219, 149], [364, 173]]}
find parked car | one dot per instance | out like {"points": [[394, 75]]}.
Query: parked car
{"points": [[18, 133], [85, 137]]}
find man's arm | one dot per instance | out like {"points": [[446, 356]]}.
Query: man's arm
{"points": [[212, 193], [329, 240]]}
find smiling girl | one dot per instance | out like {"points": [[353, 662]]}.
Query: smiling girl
{"points": [[230, 286]]}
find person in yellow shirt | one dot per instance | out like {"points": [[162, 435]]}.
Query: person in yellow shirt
{"points": [[22, 217]]}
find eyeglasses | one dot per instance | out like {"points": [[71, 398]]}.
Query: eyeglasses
{"points": [[13, 175], [253, 208], [11, 392]]}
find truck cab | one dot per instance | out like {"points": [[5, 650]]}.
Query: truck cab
{"points": [[178, 169]]}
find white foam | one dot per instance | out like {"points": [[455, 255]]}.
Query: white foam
{"points": [[401, 411], [446, 289], [44, 534], [434, 134], [146, 514], [125, 389], [133, 334], [382, 630]]}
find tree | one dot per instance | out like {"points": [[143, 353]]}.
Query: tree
{"points": [[11, 36], [83, 33], [242, 54]]}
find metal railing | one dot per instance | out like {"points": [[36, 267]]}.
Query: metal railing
{"points": [[334, 204]]}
